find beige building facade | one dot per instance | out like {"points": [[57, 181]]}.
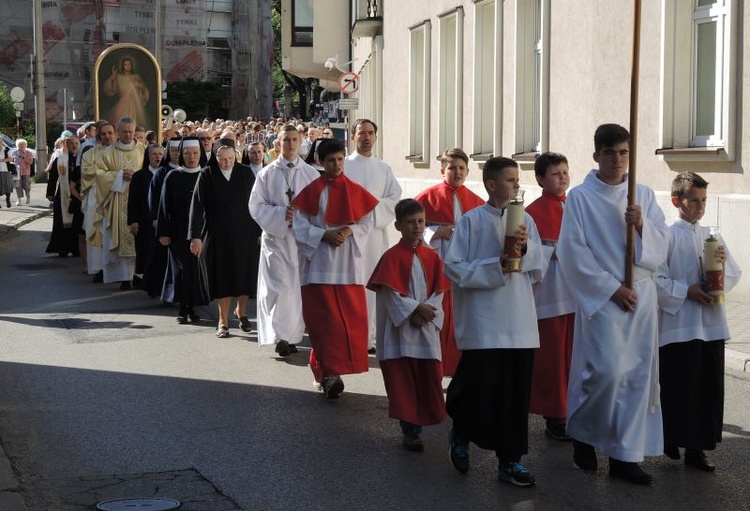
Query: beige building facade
{"points": [[519, 77]]}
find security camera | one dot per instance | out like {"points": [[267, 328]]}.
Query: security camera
{"points": [[330, 63]]}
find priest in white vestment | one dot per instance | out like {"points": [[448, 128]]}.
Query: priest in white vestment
{"points": [[114, 170], [93, 196], [376, 177]]}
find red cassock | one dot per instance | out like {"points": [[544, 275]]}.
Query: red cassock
{"points": [[438, 203], [549, 381], [414, 385], [336, 314]]}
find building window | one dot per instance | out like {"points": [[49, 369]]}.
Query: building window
{"points": [[302, 23], [419, 93], [699, 64], [487, 80], [532, 78], [451, 80]]}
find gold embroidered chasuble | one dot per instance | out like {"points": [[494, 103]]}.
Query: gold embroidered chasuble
{"points": [[113, 208]]}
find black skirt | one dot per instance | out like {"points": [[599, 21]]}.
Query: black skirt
{"points": [[691, 376], [488, 399]]}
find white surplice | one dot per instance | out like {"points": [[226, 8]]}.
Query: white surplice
{"points": [[399, 338], [492, 309], [375, 176], [321, 263], [680, 319], [613, 391], [279, 299]]}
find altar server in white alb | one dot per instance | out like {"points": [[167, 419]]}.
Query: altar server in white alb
{"points": [[376, 177], [692, 330], [495, 319], [613, 392], [279, 300]]}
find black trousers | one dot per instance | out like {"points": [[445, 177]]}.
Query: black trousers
{"points": [[488, 399], [691, 375]]}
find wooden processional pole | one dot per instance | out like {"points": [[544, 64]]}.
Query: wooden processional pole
{"points": [[630, 249]]}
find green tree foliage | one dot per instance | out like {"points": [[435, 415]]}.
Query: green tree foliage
{"points": [[198, 99], [7, 112]]}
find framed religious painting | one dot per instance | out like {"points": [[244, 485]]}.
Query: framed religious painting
{"points": [[128, 84]]}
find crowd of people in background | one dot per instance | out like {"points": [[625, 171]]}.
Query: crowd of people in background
{"points": [[531, 317]]}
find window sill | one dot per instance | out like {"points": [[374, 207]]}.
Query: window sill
{"points": [[418, 161], [481, 157], [694, 154], [526, 160]]}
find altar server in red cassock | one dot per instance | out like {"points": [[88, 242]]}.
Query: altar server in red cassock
{"points": [[332, 220], [554, 304], [444, 205], [409, 285]]}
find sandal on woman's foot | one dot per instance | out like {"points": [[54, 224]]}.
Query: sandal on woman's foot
{"points": [[222, 332]]}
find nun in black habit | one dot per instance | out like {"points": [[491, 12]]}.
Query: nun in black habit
{"points": [[183, 282], [224, 234]]}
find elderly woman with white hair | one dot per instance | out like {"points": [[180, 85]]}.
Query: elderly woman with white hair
{"points": [[23, 159]]}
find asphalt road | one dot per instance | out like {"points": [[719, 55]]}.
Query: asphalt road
{"points": [[103, 395]]}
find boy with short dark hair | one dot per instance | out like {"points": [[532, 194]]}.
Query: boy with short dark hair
{"points": [[409, 285], [445, 203], [554, 304], [692, 331], [332, 220], [613, 401], [495, 319]]}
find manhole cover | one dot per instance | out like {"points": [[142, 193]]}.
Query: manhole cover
{"points": [[143, 504]]}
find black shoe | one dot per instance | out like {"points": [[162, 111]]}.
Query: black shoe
{"points": [[556, 431], [193, 316], [672, 452], [371, 351], [293, 348], [584, 456], [244, 324], [125, 285], [333, 386], [182, 319], [697, 459], [98, 278], [459, 452], [412, 442], [628, 471], [283, 349]]}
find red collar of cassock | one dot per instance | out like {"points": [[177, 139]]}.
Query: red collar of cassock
{"points": [[547, 213], [438, 202], [394, 269], [348, 202]]}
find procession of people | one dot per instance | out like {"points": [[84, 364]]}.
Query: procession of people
{"points": [[525, 312]]}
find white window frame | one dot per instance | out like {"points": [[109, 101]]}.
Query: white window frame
{"points": [[419, 92], [532, 78], [679, 139], [450, 106], [488, 105]]}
